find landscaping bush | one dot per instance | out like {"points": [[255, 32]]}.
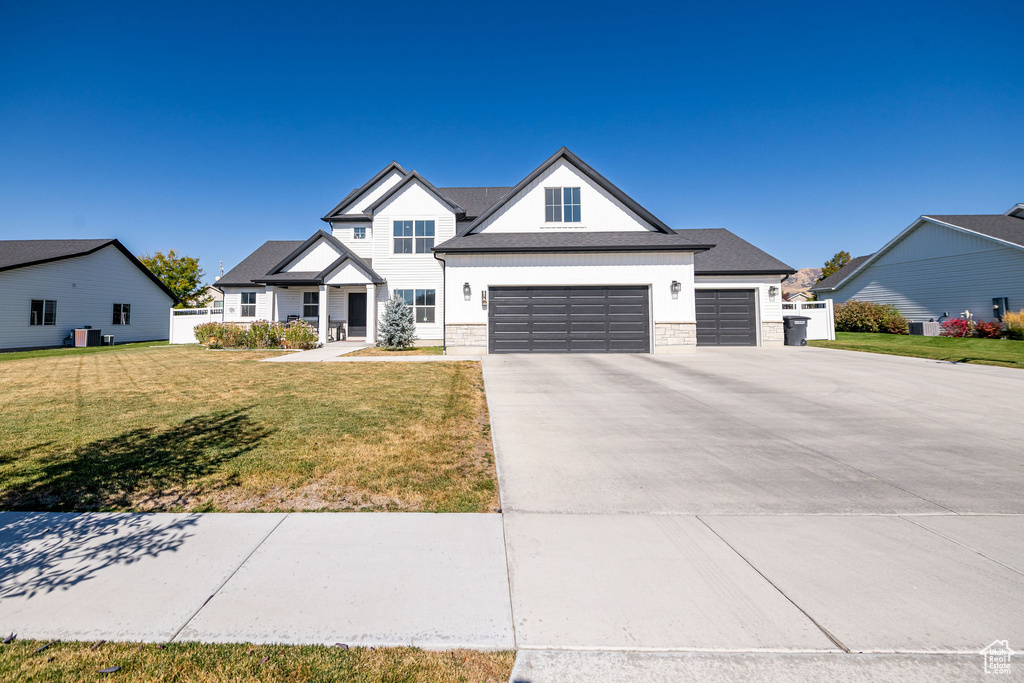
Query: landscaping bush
{"points": [[956, 327], [298, 334], [261, 334], [865, 316], [397, 327], [988, 330], [1014, 323]]}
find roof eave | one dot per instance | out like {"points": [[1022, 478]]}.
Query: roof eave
{"points": [[355, 194], [747, 271], [561, 249], [399, 186]]}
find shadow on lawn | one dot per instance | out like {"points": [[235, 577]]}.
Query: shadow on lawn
{"points": [[144, 468]]}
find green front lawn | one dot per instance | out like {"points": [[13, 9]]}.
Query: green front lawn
{"points": [[411, 351], [80, 351], [1003, 352], [76, 661], [181, 428]]}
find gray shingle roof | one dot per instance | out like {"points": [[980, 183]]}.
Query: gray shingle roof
{"points": [[19, 253], [1006, 228], [731, 254], [258, 263], [475, 200], [633, 240], [838, 276]]}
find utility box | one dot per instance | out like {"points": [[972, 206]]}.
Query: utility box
{"points": [[925, 329], [85, 336], [796, 329]]}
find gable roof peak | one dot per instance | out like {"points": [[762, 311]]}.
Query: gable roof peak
{"points": [[414, 176], [353, 196]]}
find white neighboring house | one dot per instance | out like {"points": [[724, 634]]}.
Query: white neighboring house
{"points": [[51, 287], [562, 262], [939, 266]]}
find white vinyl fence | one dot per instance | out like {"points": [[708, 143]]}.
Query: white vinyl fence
{"points": [[822, 323], [184, 321]]}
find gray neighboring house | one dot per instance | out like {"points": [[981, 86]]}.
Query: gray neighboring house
{"points": [[51, 287], [941, 265]]}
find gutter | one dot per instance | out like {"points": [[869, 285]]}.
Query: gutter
{"points": [[444, 308]]}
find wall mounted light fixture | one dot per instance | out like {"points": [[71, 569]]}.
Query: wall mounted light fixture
{"points": [[676, 288], [773, 292], [466, 291], [483, 298]]}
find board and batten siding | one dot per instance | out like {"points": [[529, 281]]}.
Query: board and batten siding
{"points": [[85, 289], [599, 211], [411, 271], [654, 269], [934, 270]]}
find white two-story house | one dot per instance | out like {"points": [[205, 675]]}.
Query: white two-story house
{"points": [[564, 261]]}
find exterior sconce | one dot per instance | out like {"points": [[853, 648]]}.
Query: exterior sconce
{"points": [[466, 291], [483, 298], [773, 292], [676, 288]]}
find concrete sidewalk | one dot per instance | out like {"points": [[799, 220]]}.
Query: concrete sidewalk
{"points": [[336, 352]]}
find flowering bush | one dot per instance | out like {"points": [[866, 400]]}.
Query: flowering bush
{"points": [[956, 327], [298, 334], [988, 330], [261, 334], [865, 316]]}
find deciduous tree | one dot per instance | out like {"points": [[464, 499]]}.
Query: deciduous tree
{"points": [[181, 274]]}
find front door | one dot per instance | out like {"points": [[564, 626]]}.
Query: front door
{"points": [[357, 314]]}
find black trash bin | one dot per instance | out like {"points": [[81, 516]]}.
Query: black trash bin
{"points": [[796, 329]]}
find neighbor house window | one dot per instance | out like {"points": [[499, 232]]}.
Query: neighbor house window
{"points": [[422, 301], [122, 314], [310, 304], [43, 312], [562, 204], [218, 305], [424, 236], [403, 237], [248, 304], [359, 233]]}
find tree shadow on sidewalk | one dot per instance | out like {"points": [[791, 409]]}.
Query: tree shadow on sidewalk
{"points": [[136, 469]]}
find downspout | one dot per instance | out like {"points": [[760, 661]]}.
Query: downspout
{"points": [[444, 308]]}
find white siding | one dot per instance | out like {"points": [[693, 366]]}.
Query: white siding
{"points": [[934, 270], [318, 256], [233, 303], [768, 310], [85, 288], [599, 211], [361, 248], [656, 270], [411, 271], [374, 193], [348, 274]]}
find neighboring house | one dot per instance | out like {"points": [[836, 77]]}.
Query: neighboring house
{"points": [[796, 296], [51, 287], [941, 265], [562, 262]]}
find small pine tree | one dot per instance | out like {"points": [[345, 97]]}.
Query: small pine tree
{"points": [[397, 329]]}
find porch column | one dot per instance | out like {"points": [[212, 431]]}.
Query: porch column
{"points": [[272, 304], [371, 314], [322, 310]]}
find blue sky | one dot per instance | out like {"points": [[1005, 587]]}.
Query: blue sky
{"points": [[804, 127]]}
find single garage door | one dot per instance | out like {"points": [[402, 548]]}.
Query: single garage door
{"points": [[726, 317], [568, 320]]}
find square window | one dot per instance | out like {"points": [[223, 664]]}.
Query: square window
{"points": [[248, 304], [311, 304], [359, 233], [43, 312]]}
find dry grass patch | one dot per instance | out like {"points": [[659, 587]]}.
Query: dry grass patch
{"points": [[76, 661], [185, 429], [413, 351]]}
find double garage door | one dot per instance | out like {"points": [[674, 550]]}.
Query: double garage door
{"points": [[569, 320], [726, 317]]}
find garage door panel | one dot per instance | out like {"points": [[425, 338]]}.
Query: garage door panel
{"points": [[726, 317], [569, 320]]}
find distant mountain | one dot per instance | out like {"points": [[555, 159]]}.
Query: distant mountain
{"points": [[801, 280]]}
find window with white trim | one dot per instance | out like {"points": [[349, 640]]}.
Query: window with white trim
{"points": [[359, 233], [561, 205], [423, 303], [43, 312], [248, 304], [424, 236], [311, 304], [403, 237], [122, 314], [413, 237]]}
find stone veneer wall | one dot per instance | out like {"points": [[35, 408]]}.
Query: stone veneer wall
{"points": [[674, 334], [465, 335], [773, 334]]}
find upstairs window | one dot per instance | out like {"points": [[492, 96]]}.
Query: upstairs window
{"points": [[403, 237], [311, 304], [248, 304], [359, 233], [424, 236], [561, 204], [43, 312], [122, 314]]}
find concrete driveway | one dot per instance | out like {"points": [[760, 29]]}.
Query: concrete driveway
{"points": [[775, 502]]}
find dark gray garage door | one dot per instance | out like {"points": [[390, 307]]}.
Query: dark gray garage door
{"points": [[568, 320], [726, 317]]}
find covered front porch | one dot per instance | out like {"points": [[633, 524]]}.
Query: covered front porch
{"points": [[338, 312]]}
